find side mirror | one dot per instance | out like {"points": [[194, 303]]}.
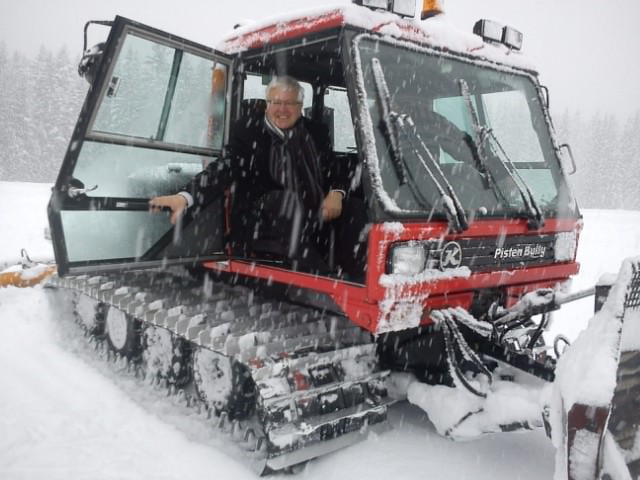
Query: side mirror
{"points": [[90, 61], [567, 162], [545, 95], [388, 120]]}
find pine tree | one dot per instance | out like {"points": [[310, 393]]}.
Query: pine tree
{"points": [[67, 91], [15, 119], [629, 162], [40, 100], [4, 118]]}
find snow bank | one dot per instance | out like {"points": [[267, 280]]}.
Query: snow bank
{"points": [[61, 419], [507, 403], [586, 373]]}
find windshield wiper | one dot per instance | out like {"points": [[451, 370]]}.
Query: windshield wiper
{"points": [[534, 212], [391, 124], [455, 212], [388, 123]]}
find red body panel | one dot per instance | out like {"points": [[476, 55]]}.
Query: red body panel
{"points": [[280, 32], [384, 306], [308, 25]]}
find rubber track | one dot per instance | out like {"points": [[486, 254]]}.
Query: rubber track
{"points": [[319, 386]]}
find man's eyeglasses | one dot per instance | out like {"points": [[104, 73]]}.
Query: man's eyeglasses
{"points": [[280, 103]]}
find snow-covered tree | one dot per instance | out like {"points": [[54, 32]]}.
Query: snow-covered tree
{"points": [[14, 121], [39, 100]]}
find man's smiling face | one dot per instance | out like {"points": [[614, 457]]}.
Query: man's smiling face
{"points": [[283, 107]]}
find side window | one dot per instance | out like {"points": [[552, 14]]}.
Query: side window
{"points": [[337, 109], [159, 121], [162, 94]]}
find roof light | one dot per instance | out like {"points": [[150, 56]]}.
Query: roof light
{"points": [[404, 8], [512, 38], [431, 8], [375, 4], [491, 31]]}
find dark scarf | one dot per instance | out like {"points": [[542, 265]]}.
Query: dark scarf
{"points": [[294, 164]]}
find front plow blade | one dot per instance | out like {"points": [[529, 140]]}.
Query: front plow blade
{"points": [[595, 413], [25, 277]]}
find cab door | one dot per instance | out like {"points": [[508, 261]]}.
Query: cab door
{"points": [[156, 114]]}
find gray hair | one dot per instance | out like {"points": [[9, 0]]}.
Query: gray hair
{"points": [[285, 82]]}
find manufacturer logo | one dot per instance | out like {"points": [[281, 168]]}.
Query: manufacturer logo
{"points": [[451, 256], [533, 250]]}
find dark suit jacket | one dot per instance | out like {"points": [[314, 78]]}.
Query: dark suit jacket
{"points": [[244, 168]]}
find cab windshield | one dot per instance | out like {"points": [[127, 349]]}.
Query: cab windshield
{"points": [[448, 137]]}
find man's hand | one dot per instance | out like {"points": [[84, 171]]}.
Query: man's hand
{"points": [[177, 203], [332, 206]]}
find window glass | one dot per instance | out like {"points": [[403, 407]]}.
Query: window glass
{"points": [[130, 234], [338, 110], [156, 118], [134, 172], [509, 116], [438, 128], [159, 93], [507, 113]]}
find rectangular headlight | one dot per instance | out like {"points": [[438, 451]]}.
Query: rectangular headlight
{"points": [[566, 246], [404, 8], [489, 30], [408, 259], [379, 4], [512, 38]]}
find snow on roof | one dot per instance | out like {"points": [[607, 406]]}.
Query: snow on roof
{"points": [[437, 32]]}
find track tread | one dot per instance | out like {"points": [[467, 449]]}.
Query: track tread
{"points": [[278, 343]]}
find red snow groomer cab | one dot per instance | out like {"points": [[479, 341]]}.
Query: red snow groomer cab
{"points": [[472, 227]]}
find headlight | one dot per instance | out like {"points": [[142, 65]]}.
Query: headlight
{"points": [[408, 259], [495, 32], [404, 8], [512, 38], [566, 246]]}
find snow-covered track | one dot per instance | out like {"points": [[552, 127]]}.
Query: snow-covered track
{"points": [[304, 381]]}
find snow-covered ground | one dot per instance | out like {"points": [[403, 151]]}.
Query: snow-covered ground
{"points": [[64, 415]]}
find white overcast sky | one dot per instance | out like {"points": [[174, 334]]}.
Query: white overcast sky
{"points": [[586, 51]]}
